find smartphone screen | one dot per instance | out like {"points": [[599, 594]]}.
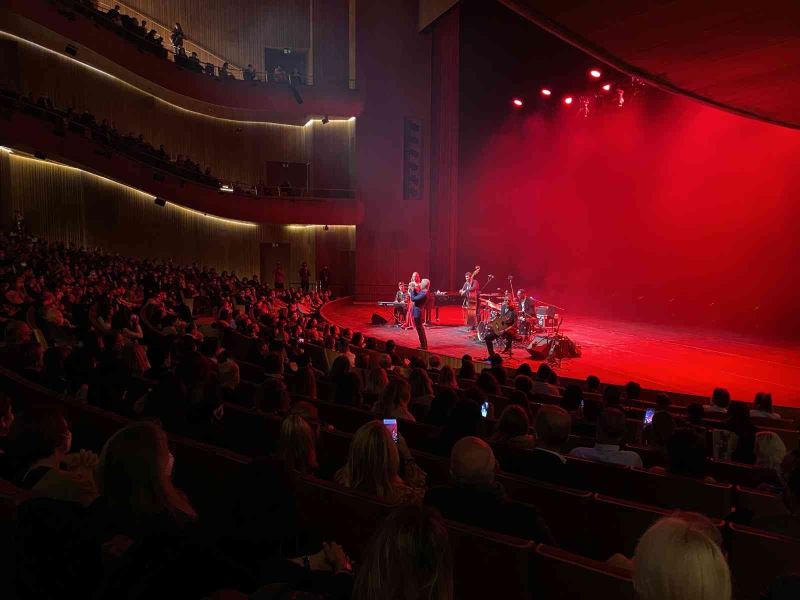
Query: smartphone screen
{"points": [[581, 403], [485, 409], [391, 425], [648, 415]]}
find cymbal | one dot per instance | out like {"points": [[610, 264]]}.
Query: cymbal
{"points": [[492, 295], [492, 305]]}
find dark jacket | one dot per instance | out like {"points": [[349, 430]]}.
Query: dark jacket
{"points": [[488, 507], [539, 465], [419, 299]]}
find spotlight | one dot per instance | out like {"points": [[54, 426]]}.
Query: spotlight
{"points": [[546, 92], [517, 102], [325, 120], [607, 87], [325, 228], [568, 100], [595, 73], [160, 202], [226, 188], [287, 50]]}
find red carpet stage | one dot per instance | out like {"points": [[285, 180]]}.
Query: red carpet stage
{"points": [[660, 357]]}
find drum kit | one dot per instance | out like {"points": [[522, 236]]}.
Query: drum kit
{"points": [[544, 320]]}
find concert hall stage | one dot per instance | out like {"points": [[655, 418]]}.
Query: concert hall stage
{"points": [[662, 357]]}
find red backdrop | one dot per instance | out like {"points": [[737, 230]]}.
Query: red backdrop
{"points": [[664, 210]]}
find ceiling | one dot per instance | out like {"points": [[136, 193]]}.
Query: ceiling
{"points": [[739, 56]]}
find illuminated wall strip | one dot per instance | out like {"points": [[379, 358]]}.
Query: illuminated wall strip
{"points": [[146, 93], [145, 196]]}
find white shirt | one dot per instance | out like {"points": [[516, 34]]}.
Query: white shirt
{"points": [[541, 387], [609, 453], [764, 414], [714, 408]]}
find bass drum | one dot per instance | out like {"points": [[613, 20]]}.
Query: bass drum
{"points": [[483, 331]]}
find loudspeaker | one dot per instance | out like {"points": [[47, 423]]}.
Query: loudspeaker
{"points": [[378, 320], [539, 348], [161, 202]]}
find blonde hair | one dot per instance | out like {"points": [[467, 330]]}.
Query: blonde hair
{"points": [[677, 558], [770, 450], [296, 445], [372, 462]]}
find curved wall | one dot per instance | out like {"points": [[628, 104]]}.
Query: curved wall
{"points": [[70, 205], [235, 150]]}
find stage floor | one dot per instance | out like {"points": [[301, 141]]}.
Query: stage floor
{"points": [[658, 357]]}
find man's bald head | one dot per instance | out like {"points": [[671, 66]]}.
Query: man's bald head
{"points": [[472, 461], [552, 427]]}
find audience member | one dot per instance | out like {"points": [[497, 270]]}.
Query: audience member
{"points": [[632, 392], [686, 455], [442, 406], [394, 401], [296, 446], [612, 397], [447, 377], [541, 384], [512, 428], [464, 420], [408, 558], [720, 400], [610, 433], [546, 462], [467, 369], [770, 452], [475, 498], [592, 384], [679, 557], [373, 465], [762, 407]]}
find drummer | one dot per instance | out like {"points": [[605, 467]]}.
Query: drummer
{"points": [[525, 304]]}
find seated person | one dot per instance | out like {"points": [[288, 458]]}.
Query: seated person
{"points": [[720, 400], [762, 407], [686, 455], [610, 432], [787, 523], [512, 428], [475, 498]]}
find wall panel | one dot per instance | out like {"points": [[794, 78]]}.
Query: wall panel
{"points": [[237, 30], [66, 204]]}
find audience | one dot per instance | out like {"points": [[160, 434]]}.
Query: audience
{"points": [[447, 377], [475, 498], [297, 445], [610, 433], [770, 452], [394, 401], [546, 462], [541, 383], [763, 407], [720, 400], [686, 455]]}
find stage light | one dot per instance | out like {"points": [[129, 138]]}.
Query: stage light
{"points": [[517, 102], [546, 92], [595, 73], [325, 120], [568, 100], [607, 87]]}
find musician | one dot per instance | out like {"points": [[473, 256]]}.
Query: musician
{"points": [[413, 285], [470, 291], [419, 298], [525, 304], [507, 323], [400, 299]]}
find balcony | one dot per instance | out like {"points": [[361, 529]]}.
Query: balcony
{"points": [[44, 133], [97, 42]]}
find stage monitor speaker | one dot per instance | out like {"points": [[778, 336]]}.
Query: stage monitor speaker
{"points": [[539, 348], [378, 320]]}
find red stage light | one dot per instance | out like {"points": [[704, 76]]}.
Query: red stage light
{"points": [[546, 92], [568, 100], [607, 87], [517, 102], [595, 73]]}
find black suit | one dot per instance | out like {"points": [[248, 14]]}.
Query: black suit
{"points": [[526, 307], [489, 508], [420, 299]]}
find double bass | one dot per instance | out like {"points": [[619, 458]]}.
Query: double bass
{"points": [[471, 301]]}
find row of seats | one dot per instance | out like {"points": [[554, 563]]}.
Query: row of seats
{"points": [[205, 472]]}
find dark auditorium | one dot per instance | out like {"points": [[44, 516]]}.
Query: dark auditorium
{"points": [[399, 300]]}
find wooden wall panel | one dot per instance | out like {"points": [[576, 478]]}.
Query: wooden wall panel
{"points": [[237, 30], [67, 204], [235, 150], [330, 163], [331, 42]]}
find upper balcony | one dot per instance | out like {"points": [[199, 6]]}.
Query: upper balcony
{"points": [[91, 37]]}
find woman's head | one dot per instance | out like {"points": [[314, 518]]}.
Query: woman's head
{"points": [[686, 454], [408, 558], [296, 445], [487, 382], [678, 557], [40, 432], [770, 450], [377, 380], [513, 423], [763, 401], [447, 377], [135, 473], [467, 370], [372, 461], [420, 382]]}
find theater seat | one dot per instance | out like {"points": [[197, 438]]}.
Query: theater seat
{"points": [[344, 418], [490, 565], [758, 503], [565, 510], [758, 557], [249, 432], [338, 514], [563, 575]]}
